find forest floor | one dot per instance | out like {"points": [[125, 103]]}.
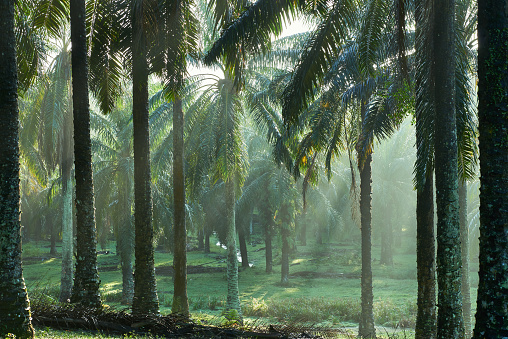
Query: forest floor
{"points": [[323, 292]]}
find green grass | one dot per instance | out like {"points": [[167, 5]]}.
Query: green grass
{"points": [[329, 300]]}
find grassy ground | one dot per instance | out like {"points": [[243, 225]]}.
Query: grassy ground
{"points": [[324, 288]]}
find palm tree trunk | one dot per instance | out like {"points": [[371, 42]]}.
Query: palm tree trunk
{"points": [[233, 299], [425, 239], [492, 313], [180, 301], [207, 238], [366, 326], [86, 279], [464, 244], [145, 287], [14, 304], [243, 247], [425, 259], [449, 320]]}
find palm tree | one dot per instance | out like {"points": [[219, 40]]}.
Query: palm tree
{"points": [[86, 280], [449, 319], [491, 314], [14, 305]]}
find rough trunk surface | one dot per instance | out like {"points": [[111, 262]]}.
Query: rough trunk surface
{"points": [[145, 288], [464, 243], [86, 278], [180, 301], [284, 271], [366, 326], [449, 319], [492, 302], [14, 304], [426, 261]]}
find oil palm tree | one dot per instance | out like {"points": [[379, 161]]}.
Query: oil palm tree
{"points": [[491, 315], [15, 308], [86, 280]]}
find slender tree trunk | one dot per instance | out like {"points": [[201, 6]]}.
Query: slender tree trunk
{"points": [[180, 301], [243, 247], [492, 310], [426, 261], [86, 279], [464, 243], [14, 304], [366, 326], [233, 299], [268, 246], [426, 325], [284, 271], [145, 287], [449, 320], [201, 239], [303, 230]]}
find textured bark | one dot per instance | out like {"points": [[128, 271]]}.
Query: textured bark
{"points": [[243, 247], [426, 262], [366, 326], [233, 298], [464, 244], [201, 239], [14, 304], [492, 302], [426, 325], [180, 301], [449, 319], [145, 290], [86, 278]]}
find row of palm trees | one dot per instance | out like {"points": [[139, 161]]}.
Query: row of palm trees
{"points": [[365, 84]]}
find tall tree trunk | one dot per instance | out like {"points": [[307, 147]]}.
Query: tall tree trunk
{"points": [[464, 244], [180, 301], [426, 261], [243, 247], [233, 298], [426, 325], [366, 326], [201, 239], [449, 319], [67, 222], [145, 286], [86, 279], [492, 310], [14, 304]]}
